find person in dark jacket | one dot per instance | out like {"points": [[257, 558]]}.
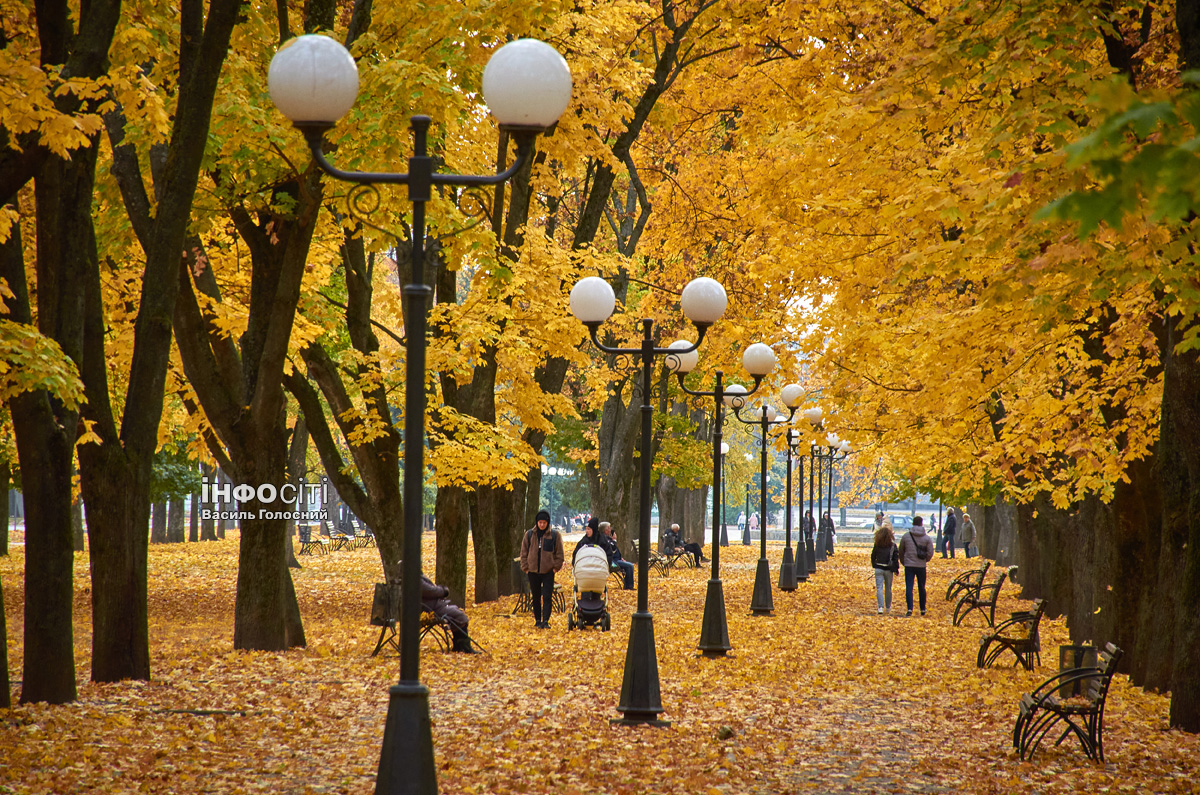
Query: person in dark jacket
{"points": [[948, 534], [592, 537], [436, 599], [673, 539], [542, 555], [608, 537], [916, 549], [885, 559]]}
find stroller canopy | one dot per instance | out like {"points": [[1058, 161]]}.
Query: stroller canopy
{"points": [[591, 569]]}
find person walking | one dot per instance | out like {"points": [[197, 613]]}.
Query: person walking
{"points": [[753, 523], [948, 534], [885, 559], [967, 536], [542, 555], [916, 549]]}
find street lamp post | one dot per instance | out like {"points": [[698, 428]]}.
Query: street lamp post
{"points": [[761, 602], [724, 517], [313, 80], [592, 301], [813, 416], [746, 513], [838, 450], [791, 396], [758, 360]]}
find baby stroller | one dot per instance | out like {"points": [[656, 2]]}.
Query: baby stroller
{"points": [[591, 590]]}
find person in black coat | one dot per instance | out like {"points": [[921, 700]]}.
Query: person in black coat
{"points": [[592, 537], [948, 531], [615, 559]]}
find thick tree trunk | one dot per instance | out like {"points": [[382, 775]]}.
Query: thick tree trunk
{"points": [[118, 496], [1179, 475], [490, 519], [261, 610], [176, 533], [158, 523], [453, 512], [5, 695], [77, 525], [5, 481]]}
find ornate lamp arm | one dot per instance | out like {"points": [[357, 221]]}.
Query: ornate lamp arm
{"points": [[594, 329]]}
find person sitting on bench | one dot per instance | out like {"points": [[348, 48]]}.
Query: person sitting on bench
{"points": [[672, 540], [617, 561], [436, 599]]}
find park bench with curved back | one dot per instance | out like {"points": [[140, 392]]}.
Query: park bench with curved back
{"points": [[385, 614], [982, 599], [308, 544], [967, 580], [1019, 635], [1051, 705], [657, 562]]}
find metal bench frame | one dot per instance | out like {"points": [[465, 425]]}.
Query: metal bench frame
{"points": [[967, 580], [982, 599], [1043, 710], [1019, 634]]}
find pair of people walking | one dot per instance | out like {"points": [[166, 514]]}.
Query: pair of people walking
{"points": [[914, 551]]}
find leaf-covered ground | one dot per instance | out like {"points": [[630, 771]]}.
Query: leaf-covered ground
{"points": [[824, 696]]}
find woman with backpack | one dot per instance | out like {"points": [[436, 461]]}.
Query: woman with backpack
{"points": [[885, 559], [916, 549], [541, 555]]}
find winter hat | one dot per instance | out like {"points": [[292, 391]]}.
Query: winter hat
{"points": [[594, 523], [543, 515]]}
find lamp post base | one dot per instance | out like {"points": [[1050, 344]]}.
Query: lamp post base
{"points": [[787, 571], [641, 700], [714, 631], [762, 603], [821, 546], [810, 556], [406, 764], [724, 536]]}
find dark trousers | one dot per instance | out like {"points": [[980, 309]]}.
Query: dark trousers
{"points": [[627, 569], [914, 573], [541, 588], [949, 545]]}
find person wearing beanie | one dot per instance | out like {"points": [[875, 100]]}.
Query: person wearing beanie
{"points": [[591, 538], [542, 554]]}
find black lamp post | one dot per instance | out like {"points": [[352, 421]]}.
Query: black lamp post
{"points": [[838, 450], [724, 517], [789, 575], [746, 513], [758, 360], [592, 302], [313, 81], [761, 602]]}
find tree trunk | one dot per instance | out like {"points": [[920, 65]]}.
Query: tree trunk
{"points": [[5, 481], [120, 615], [194, 518], [176, 533], [1179, 475], [490, 519], [5, 695], [158, 523], [208, 527], [77, 525], [453, 512]]}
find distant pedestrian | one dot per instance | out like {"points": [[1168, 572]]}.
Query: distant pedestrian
{"points": [[753, 523], [916, 549], [885, 560], [948, 535], [542, 554], [968, 537]]}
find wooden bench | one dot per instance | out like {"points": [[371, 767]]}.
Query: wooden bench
{"points": [[967, 581], [982, 599], [1083, 715], [385, 614], [1018, 635], [679, 557]]}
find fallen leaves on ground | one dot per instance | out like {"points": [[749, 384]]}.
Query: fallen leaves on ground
{"points": [[822, 696]]}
